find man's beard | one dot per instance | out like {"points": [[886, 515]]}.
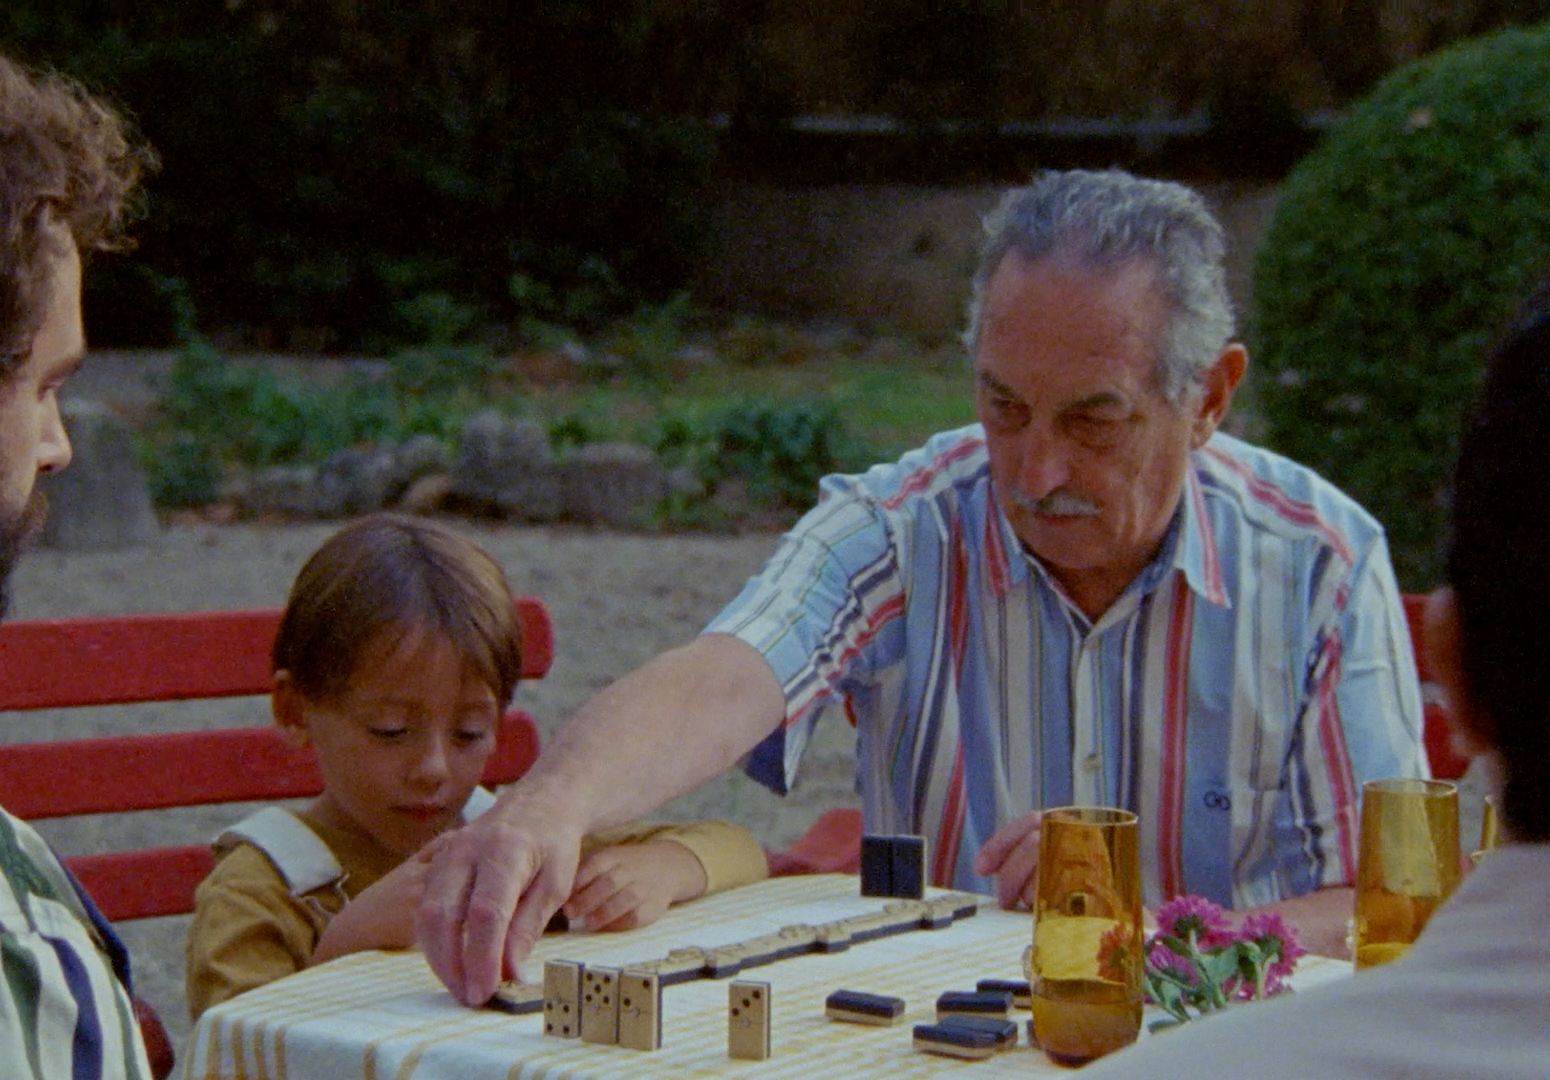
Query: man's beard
{"points": [[14, 532]]}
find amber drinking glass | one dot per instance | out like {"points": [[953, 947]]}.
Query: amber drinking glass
{"points": [[1407, 865], [1085, 965]]}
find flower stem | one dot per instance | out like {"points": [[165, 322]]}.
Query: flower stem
{"points": [[1215, 999]]}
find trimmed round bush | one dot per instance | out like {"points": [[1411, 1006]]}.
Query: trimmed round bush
{"points": [[1396, 250]]}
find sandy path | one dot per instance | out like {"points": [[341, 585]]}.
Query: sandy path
{"points": [[616, 601]]}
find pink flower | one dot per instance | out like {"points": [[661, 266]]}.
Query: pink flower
{"points": [[1186, 915], [1220, 964], [1162, 958], [1270, 932]]}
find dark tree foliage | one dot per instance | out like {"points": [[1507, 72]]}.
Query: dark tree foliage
{"points": [[931, 59], [325, 161], [331, 165]]}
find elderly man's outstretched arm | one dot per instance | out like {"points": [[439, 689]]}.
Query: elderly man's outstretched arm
{"points": [[658, 732]]}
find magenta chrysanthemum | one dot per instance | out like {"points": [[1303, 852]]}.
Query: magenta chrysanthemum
{"points": [[1269, 931], [1165, 959], [1212, 963], [1184, 916]]}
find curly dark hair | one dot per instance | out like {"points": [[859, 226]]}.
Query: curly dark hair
{"points": [[68, 161]]}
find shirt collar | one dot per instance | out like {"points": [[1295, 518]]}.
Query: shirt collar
{"points": [[1197, 556]]}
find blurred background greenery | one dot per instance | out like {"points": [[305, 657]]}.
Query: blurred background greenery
{"points": [[508, 202]]}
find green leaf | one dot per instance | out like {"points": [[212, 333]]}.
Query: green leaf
{"points": [[1221, 965], [1170, 998]]}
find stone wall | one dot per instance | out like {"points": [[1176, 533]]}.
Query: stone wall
{"points": [[888, 255]]}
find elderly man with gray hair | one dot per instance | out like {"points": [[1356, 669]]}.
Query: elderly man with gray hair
{"points": [[1090, 596]]}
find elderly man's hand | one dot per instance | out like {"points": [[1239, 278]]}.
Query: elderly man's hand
{"points": [[490, 889], [1011, 856]]}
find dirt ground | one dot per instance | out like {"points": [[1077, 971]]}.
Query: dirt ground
{"points": [[616, 600]]}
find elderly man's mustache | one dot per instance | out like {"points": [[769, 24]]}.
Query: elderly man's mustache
{"points": [[1055, 504]]}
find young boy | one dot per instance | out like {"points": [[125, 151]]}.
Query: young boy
{"points": [[397, 653]]}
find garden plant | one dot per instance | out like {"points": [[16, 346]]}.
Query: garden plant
{"points": [[1395, 250]]}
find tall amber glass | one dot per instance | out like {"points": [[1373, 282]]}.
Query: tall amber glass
{"points": [[1407, 865], [1085, 966]]}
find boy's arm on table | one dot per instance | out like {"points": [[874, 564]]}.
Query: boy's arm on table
{"points": [[629, 876], [656, 733], [380, 917]]}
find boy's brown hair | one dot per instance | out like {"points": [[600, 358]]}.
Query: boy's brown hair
{"points": [[67, 162], [393, 572]]}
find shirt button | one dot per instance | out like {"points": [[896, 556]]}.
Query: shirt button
{"points": [[1090, 763]]}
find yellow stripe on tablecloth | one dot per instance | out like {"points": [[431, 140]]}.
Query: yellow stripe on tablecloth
{"points": [[248, 1039], [443, 1032], [271, 1028]]}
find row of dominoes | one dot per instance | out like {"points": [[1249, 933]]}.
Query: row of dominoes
{"points": [[684, 964], [623, 1007], [968, 1025], [939, 912]]}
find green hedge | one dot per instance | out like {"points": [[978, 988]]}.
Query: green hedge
{"points": [[1396, 249]]}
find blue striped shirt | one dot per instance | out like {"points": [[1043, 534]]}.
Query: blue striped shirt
{"points": [[1236, 695], [64, 1013]]}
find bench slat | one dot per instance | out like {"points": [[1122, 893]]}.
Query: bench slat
{"points": [[193, 768], [144, 884], [161, 881], [120, 659], [55, 663], [1437, 728]]}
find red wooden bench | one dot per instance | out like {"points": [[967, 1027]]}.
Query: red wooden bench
{"points": [[832, 844], [1437, 730], [62, 663]]}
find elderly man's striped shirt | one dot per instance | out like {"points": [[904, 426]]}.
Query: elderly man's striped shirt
{"points": [[1236, 695]]}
